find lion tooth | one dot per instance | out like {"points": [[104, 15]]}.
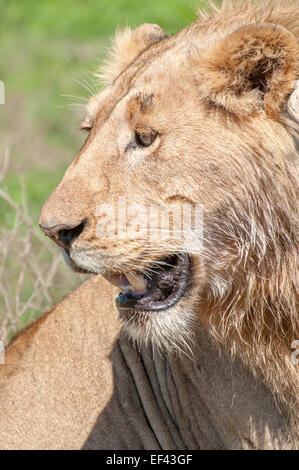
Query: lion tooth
{"points": [[137, 281]]}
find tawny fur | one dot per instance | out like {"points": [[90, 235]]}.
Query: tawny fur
{"points": [[126, 46]]}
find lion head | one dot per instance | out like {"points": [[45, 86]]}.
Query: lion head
{"points": [[185, 192]]}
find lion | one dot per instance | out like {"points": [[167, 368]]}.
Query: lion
{"points": [[196, 352]]}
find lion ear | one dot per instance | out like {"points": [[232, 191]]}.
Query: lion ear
{"points": [[126, 46], [249, 70]]}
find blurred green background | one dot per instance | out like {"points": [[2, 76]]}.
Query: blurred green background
{"points": [[49, 48]]}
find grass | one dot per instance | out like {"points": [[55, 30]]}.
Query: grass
{"points": [[49, 49]]}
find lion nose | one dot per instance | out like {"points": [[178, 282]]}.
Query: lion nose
{"points": [[63, 235]]}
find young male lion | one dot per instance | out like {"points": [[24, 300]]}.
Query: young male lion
{"points": [[204, 119]]}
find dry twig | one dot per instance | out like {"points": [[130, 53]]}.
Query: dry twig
{"points": [[28, 265]]}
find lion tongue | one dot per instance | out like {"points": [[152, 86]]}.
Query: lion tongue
{"points": [[138, 283], [135, 283]]}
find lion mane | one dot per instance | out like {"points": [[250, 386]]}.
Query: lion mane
{"points": [[256, 315]]}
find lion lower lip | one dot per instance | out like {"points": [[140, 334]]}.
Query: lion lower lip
{"points": [[165, 287]]}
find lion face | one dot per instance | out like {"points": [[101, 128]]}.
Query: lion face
{"points": [[184, 146]]}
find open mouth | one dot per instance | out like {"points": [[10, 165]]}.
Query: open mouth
{"points": [[159, 291]]}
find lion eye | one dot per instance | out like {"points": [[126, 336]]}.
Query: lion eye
{"points": [[85, 128], [145, 140], [86, 125]]}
